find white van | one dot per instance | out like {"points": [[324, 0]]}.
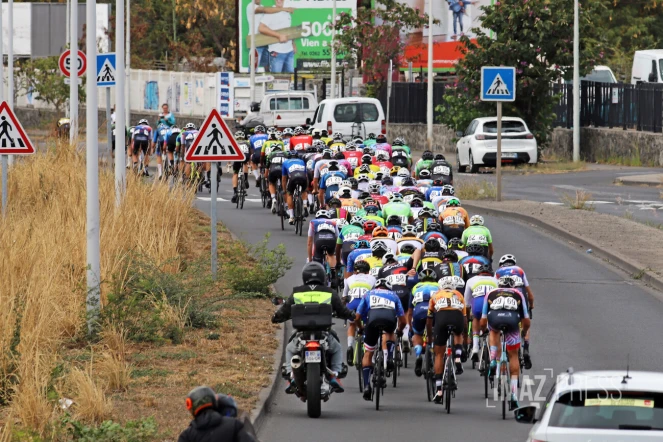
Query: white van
{"points": [[283, 109], [647, 66], [352, 116]]}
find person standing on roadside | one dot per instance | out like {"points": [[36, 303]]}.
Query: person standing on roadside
{"points": [[166, 117], [281, 54]]}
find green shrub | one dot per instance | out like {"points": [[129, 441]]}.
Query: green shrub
{"points": [[109, 431]]}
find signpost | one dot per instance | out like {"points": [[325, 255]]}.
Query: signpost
{"points": [[65, 63], [214, 143], [498, 83], [13, 141], [107, 76]]}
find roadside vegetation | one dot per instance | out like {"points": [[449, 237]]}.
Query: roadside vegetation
{"points": [[548, 167], [581, 200], [166, 326], [475, 189]]}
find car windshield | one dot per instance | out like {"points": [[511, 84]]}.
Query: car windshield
{"points": [[609, 410], [602, 76], [356, 112], [507, 127]]}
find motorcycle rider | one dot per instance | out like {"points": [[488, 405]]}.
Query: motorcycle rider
{"points": [[315, 290]]}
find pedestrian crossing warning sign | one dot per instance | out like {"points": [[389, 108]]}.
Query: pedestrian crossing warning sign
{"points": [[214, 142], [498, 87], [13, 139], [106, 75], [498, 83]]}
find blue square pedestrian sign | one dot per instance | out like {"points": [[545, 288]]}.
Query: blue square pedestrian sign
{"points": [[498, 83], [106, 70]]}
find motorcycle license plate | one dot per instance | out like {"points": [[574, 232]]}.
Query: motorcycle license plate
{"points": [[313, 356]]}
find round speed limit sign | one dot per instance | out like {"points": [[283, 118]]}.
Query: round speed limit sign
{"points": [[65, 63]]}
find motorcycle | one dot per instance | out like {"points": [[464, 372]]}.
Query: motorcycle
{"points": [[311, 361]]}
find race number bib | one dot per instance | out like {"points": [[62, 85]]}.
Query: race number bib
{"points": [[189, 137], [504, 303], [481, 291], [441, 170], [244, 148], [352, 236], [296, 168], [353, 161], [357, 292], [333, 181], [477, 239], [417, 298], [457, 281], [378, 302], [472, 269], [310, 164], [395, 235], [258, 144], [453, 221], [325, 228], [374, 271], [435, 194], [408, 198], [351, 209], [277, 160], [382, 152], [399, 279], [162, 132]]}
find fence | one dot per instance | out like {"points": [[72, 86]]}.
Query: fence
{"points": [[408, 101]]}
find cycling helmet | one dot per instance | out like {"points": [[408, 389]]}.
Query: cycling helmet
{"points": [[506, 282], [200, 398], [427, 155], [474, 249], [362, 244], [432, 245], [374, 188], [434, 227], [344, 192], [379, 248], [337, 136], [388, 257], [408, 228], [399, 142], [396, 198], [314, 273], [367, 151], [407, 181], [394, 220], [455, 244], [427, 275], [240, 135], [317, 143], [380, 232], [311, 149], [381, 138], [288, 131], [407, 249], [339, 156], [146, 123], [371, 136], [372, 208], [370, 225], [270, 131], [350, 146], [259, 128], [358, 141], [450, 255], [322, 214], [487, 269], [353, 183], [439, 157], [340, 223], [363, 195], [453, 202], [506, 259], [279, 135], [335, 203], [357, 221], [327, 154], [416, 202], [324, 133], [364, 168], [383, 282], [387, 181], [425, 212], [382, 156], [378, 176], [448, 189], [403, 172], [362, 267], [476, 220], [292, 154], [299, 130], [424, 174], [366, 160], [448, 283]]}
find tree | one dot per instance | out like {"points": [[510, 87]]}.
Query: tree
{"points": [[42, 76], [373, 36], [537, 38]]}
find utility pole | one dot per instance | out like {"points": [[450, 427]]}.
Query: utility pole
{"points": [[429, 100], [252, 57], [333, 52], [73, 74], [120, 124], [10, 62], [127, 66], [576, 84]]}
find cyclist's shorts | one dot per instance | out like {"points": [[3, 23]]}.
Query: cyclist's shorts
{"points": [[171, 145], [452, 232], [446, 179], [379, 320], [141, 145], [255, 158], [477, 307], [419, 317], [509, 320], [237, 165], [274, 174], [443, 319], [321, 241], [346, 248], [404, 295], [297, 179], [354, 304], [157, 150]]}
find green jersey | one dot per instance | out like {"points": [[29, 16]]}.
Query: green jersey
{"points": [[423, 164], [369, 142], [269, 145], [402, 210], [349, 233], [477, 235]]}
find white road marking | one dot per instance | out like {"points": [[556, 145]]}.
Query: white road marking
{"points": [[600, 202], [552, 203]]}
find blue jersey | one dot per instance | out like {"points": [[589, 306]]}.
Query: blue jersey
{"points": [[322, 225], [353, 257], [330, 182], [256, 141], [421, 293], [472, 263], [142, 132], [380, 299], [437, 235], [433, 192], [159, 136], [292, 166], [521, 278]]}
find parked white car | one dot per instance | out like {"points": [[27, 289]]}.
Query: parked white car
{"points": [[606, 406], [477, 146], [282, 109], [647, 66], [351, 116]]}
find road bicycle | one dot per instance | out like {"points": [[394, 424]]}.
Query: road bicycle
{"points": [[298, 210], [449, 384], [264, 188], [484, 361], [379, 380], [502, 374], [429, 368], [358, 359], [241, 190], [398, 360]]}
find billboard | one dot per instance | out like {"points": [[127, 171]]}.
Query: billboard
{"points": [[456, 18], [289, 34]]}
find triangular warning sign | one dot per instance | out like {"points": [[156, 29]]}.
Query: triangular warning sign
{"points": [[106, 73], [13, 140], [214, 142], [498, 87]]}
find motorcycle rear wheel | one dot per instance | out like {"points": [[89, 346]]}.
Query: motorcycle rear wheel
{"points": [[313, 401]]}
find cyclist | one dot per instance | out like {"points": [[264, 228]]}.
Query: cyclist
{"points": [[343, 164], [356, 286], [315, 290], [378, 250], [140, 141], [171, 146], [476, 289], [324, 136], [322, 164], [370, 140], [454, 219], [425, 162], [244, 146], [478, 234], [293, 174], [322, 234], [158, 141], [286, 136], [431, 255], [401, 144], [352, 155], [508, 267], [381, 311], [184, 141], [441, 170], [330, 182], [506, 307], [394, 227], [398, 207], [447, 309], [381, 233], [256, 141], [418, 313], [301, 140], [381, 145], [347, 237], [273, 161], [361, 251], [434, 191], [433, 231]]}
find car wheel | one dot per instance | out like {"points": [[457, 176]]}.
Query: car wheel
{"points": [[473, 167], [461, 168]]}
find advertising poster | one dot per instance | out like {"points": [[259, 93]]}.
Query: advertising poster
{"points": [[289, 34], [226, 94], [457, 18]]}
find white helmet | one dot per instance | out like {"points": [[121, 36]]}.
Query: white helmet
{"points": [[374, 188], [403, 172], [337, 136], [288, 131], [476, 220], [396, 198], [447, 283], [507, 258]]}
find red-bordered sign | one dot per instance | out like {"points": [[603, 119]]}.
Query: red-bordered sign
{"points": [[214, 142], [13, 139], [65, 63]]}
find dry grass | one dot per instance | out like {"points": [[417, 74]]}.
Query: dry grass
{"points": [[547, 168], [90, 401], [579, 201], [475, 189], [43, 262]]}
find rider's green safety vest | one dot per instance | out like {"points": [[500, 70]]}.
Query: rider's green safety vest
{"points": [[313, 296]]}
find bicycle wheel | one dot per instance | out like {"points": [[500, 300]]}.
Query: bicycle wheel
{"points": [[359, 356], [505, 394], [377, 387], [428, 374], [483, 366], [263, 191], [240, 186], [299, 215], [448, 373], [394, 374], [242, 198]]}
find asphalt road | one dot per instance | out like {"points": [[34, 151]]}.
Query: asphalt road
{"points": [[587, 316]]}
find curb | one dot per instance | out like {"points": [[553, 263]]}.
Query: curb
{"points": [[629, 182], [624, 264], [259, 412]]}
